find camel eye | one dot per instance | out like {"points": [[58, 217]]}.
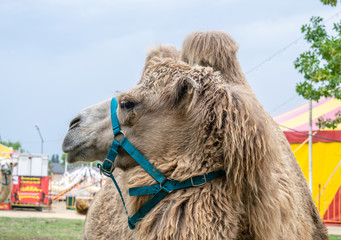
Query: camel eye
{"points": [[128, 105]]}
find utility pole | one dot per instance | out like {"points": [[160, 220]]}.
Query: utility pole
{"points": [[41, 137], [65, 170]]}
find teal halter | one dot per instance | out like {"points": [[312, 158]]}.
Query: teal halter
{"points": [[6, 174], [160, 190]]}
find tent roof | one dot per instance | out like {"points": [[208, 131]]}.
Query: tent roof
{"points": [[3, 150], [295, 122]]}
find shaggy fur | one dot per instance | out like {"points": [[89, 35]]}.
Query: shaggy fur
{"points": [[214, 49], [218, 50], [193, 119], [5, 190], [106, 218]]}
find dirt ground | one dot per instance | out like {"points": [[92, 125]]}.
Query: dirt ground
{"points": [[60, 211], [56, 211], [334, 230]]}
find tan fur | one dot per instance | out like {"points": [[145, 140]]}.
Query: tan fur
{"points": [[192, 120], [106, 218], [214, 49], [162, 51], [5, 190], [82, 206], [211, 47]]}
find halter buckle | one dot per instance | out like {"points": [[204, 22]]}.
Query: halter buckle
{"points": [[195, 185], [111, 168]]}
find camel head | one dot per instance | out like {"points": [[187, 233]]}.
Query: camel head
{"points": [[184, 119], [7, 165]]}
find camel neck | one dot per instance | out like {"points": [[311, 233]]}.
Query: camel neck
{"points": [[5, 190], [172, 218]]}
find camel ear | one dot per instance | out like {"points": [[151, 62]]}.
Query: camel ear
{"points": [[181, 93], [184, 87]]}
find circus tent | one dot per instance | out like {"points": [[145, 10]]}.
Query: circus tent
{"points": [[326, 153], [5, 151]]}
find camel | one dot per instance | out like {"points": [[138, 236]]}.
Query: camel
{"points": [[193, 112], [6, 169]]}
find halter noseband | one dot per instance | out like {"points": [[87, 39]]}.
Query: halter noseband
{"points": [[9, 173], [160, 190]]}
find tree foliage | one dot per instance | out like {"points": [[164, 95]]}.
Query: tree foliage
{"points": [[55, 158], [329, 2], [63, 158], [321, 64]]}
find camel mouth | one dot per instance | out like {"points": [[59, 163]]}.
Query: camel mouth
{"points": [[74, 156], [73, 140], [75, 146]]}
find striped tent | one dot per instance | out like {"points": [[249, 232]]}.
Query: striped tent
{"points": [[326, 153]]}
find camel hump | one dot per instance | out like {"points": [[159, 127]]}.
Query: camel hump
{"points": [[82, 206], [163, 51], [214, 49]]}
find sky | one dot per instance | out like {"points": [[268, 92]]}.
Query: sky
{"points": [[60, 56]]}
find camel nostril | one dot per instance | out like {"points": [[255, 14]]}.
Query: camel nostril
{"points": [[75, 122]]}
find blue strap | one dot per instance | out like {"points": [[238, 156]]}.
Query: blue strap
{"points": [[108, 163], [116, 185], [146, 208], [175, 185], [140, 159], [7, 174], [6, 182], [115, 124]]}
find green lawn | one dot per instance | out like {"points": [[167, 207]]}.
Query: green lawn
{"points": [[334, 237], [40, 228], [48, 229]]}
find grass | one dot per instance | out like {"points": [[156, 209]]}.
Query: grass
{"points": [[40, 228], [334, 237], [49, 228]]}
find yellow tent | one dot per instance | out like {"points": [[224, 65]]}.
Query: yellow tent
{"points": [[5, 151], [326, 153]]}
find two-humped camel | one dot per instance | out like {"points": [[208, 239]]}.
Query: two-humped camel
{"points": [[6, 170], [191, 113]]}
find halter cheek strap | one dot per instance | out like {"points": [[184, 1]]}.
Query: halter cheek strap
{"points": [[6, 174], [160, 190]]}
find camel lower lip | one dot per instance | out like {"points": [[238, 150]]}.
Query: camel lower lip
{"points": [[69, 146]]}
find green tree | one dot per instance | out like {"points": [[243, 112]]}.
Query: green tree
{"points": [[329, 2], [55, 158], [63, 158], [321, 64]]}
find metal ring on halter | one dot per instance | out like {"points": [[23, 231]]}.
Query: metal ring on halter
{"points": [[162, 184], [119, 133]]}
